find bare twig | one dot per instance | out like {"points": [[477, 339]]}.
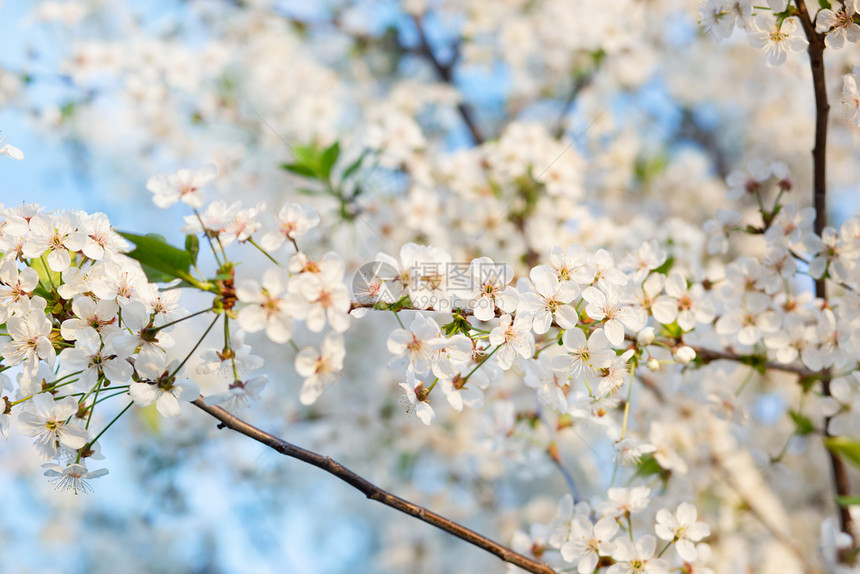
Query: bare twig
{"points": [[370, 490]]}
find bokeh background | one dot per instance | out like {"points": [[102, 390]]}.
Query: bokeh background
{"points": [[103, 94]]}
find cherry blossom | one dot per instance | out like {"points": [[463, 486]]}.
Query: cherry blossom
{"points": [[320, 368], [185, 185], [45, 419], [682, 529]]}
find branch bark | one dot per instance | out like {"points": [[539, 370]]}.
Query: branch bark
{"points": [[370, 490], [446, 74], [819, 201]]}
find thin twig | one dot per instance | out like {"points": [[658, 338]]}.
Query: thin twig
{"points": [[372, 491]]}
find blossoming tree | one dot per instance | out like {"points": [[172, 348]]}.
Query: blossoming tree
{"points": [[574, 256]]}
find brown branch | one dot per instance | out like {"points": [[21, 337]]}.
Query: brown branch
{"points": [[446, 74], [579, 84], [370, 490], [822, 111], [819, 200]]}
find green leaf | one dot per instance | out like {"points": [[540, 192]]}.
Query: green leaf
{"points": [[47, 278], [845, 501], [328, 159], [757, 362], [667, 265], [192, 246], [353, 167], [802, 425], [161, 262], [845, 447], [307, 155], [299, 169]]}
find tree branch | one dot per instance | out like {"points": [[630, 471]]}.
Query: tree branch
{"points": [[446, 74], [706, 355], [370, 490], [822, 111], [819, 201]]}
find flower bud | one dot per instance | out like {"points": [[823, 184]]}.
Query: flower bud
{"points": [[653, 364], [645, 336], [684, 354]]}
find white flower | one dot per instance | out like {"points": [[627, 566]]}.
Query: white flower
{"points": [[414, 345], [100, 238], [94, 359], [15, 289], [320, 368], [512, 337], [416, 395], [29, 339], [212, 220], [270, 306], [719, 229], [776, 40], [588, 542], [73, 477], [573, 265], [326, 295], [851, 98], [549, 301], [624, 500], [294, 221], [748, 322], [637, 558], [9, 150], [838, 24], [185, 185], [240, 393], [647, 258], [687, 307], [93, 316], [58, 235], [45, 419], [630, 450], [489, 288], [242, 226], [609, 304], [717, 18], [424, 275], [159, 383], [585, 357], [136, 319], [229, 362], [605, 270], [682, 528], [461, 391], [842, 407]]}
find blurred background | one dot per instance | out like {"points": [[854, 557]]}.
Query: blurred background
{"points": [[646, 112]]}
